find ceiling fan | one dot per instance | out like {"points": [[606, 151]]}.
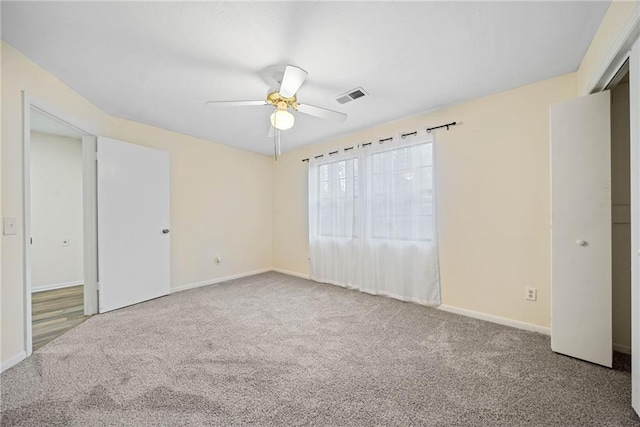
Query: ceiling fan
{"points": [[283, 100]]}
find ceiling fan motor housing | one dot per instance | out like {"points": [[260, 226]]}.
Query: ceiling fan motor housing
{"points": [[280, 102]]}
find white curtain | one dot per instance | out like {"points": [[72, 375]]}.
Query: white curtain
{"points": [[372, 219]]}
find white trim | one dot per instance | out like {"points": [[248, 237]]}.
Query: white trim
{"points": [[54, 113], [53, 286], [292, 273], [622, 348], [378, 293], [617, 78], [43, 110], [26, 219], [219, 280], [448, 308], [90, 224], [618, 53], [496, 319], [398, 297], [634, 107], [13, 361]]}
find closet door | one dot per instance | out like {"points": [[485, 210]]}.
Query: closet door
{"points": [[581, 228]]}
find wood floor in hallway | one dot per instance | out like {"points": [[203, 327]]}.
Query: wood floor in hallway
{"points": [[55, 312]]}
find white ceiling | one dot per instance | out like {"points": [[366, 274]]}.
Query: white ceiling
{"points": [[157, 63]]}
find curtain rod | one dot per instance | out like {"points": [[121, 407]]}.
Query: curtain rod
{"points": [[441, 126], [382, 141]]}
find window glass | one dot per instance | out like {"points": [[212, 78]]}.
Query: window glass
{"points": [[402, 193], [339, 211]]}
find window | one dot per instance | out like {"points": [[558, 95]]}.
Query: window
{"points": [[402, 193], [399, 195], [339, 198], [372, 217]]}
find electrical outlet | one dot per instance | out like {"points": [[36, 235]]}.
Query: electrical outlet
{"points": [[531, 294]]}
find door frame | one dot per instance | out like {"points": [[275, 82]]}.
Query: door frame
{"points": [[89, 203], [626, 47], [634, 109]]}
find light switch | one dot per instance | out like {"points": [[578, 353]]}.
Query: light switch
{"points": [[10, 226]]}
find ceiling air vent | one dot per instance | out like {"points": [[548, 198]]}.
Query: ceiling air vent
{"points": [[352, 95]]}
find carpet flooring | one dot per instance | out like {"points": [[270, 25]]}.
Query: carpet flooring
{"points": [[275, 350]]}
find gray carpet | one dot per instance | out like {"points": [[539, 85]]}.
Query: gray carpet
{"points": [[278, 350]]}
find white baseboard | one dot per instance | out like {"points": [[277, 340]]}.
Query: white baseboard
{"points": [[620, 348], [53, 286], [12, 361], [292, 273], [219, 280], [380, 293], [451, 309], [495, 319]]}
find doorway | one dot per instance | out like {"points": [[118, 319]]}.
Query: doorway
{"points": [[621, 219], [60, 246], [595, 146], [57, 249]]}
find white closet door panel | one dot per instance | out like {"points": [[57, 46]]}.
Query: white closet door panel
{"points": [[581, 228]]}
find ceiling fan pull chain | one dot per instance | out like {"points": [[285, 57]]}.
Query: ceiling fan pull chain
{"points": [[275, 148], [276, 144]]}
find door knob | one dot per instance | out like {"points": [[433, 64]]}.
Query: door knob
{"points": [[582, 243], [165, 231]]}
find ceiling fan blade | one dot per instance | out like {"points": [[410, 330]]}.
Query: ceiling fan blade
{"points": [[292, 80], [322, 113], [234, 103]]}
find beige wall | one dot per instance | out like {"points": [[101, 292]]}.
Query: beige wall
{"points": [[19, 73], [493, 184], [621, 216], [616, 18], [220, 196], [56, 210], [220, 204]]}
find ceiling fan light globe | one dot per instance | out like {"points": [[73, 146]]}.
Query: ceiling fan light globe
{"points": [[282, 119]]}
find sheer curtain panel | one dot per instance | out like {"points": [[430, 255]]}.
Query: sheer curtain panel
{"points": [[372, 220]]}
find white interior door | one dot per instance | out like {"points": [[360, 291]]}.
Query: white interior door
{"points": [[581, 228], [133, 223]]}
